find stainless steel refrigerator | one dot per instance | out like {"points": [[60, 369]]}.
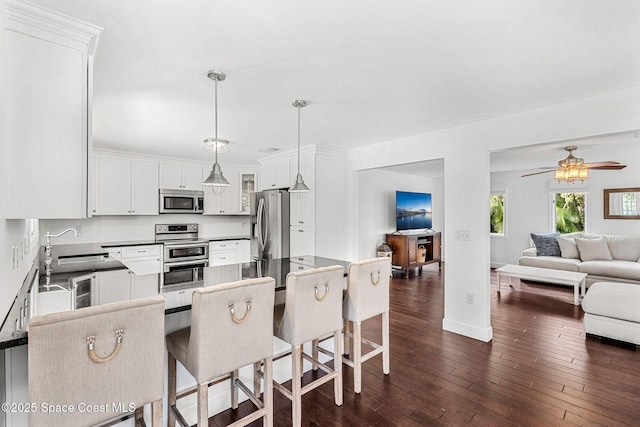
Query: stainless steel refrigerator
{"points": [[270, 223]]}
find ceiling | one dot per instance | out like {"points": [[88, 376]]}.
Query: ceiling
{"points": [[370, 70]]}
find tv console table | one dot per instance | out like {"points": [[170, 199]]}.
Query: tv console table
{"points": [[405, 250]]}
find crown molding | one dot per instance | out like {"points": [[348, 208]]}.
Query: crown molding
{"points": [[35, 20]]}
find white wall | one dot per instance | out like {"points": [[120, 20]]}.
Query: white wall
{"points": [[376, 205], [465, 150], [122, 228]]}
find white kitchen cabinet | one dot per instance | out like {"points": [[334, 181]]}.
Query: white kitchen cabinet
{"points": [[223, 253], [275, 173], [141, 259], [111, 286], [303, 209], [123, 285], [142, 286], [244, 251], [178, 298], [182, 177], [125, 186], [48, 67], [226, 252], [302, 241], [16, 380], [248, 185], [228, 201]]}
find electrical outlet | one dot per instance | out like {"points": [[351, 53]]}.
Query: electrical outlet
{"points": [[463, 235], [471, 298], [78, 228]]}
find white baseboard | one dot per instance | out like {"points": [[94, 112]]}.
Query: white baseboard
{"points": [[468, 330]]}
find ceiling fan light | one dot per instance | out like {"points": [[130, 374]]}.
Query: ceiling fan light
{"points": [[583, 174]]}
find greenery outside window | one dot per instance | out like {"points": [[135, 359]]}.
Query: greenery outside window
{"points": [[569, 212], [497, 211], [629, 204]]}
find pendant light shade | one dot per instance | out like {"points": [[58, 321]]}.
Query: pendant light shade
{"points": [[299, 188], [216, 183]]}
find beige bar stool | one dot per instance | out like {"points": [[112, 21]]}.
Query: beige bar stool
{"points": [[313, 309], [367, 296], [87, 366], [231, 327]]}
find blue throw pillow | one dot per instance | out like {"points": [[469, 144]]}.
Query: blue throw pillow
{"points": [[546, 244]]}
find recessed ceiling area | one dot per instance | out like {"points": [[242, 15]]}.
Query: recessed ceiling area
{"points": [[370, 71]]}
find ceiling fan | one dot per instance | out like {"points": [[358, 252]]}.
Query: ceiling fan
{"points": [[573, 168]]}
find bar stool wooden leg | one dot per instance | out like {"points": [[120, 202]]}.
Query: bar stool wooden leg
{"points": [[234, 390], [203, 404], [171, 393], [296, 386], [267, 397], [347, 339], [357, 356], [314, 354], [337, 366], [156, 413], [385, 342], [257, 366], [139, 415]]}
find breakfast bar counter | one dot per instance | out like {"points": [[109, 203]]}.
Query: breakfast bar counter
{"points": [[178, 296]]}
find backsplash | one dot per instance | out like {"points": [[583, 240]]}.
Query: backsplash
{"points": [[102, 229]]}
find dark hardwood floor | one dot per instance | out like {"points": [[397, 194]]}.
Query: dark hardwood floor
{"points": [[539, 369]]}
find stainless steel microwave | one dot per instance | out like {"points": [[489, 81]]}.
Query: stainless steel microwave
{"points": [[181, 201]]}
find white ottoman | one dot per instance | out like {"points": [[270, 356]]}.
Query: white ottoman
{"points": [[612, 310]]}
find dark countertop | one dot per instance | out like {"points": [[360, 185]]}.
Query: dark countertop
{"points": [[220, 239], [13, 330]]}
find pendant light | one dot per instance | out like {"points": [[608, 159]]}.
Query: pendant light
{"points": [[216, 183], [299, 188]]}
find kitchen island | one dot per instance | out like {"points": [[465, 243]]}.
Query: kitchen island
{"points": [[14, 336], [177, 296]]}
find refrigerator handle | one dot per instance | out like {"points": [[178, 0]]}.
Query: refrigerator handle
{"points": [[259, 224], [266, 225]]}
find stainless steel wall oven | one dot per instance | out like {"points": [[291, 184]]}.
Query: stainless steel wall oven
{"points": [[185, 255]]}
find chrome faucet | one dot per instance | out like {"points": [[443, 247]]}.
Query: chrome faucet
{"points": [[47, 252]]}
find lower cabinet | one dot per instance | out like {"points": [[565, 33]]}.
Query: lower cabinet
{"points": [[226, 252], [143, 286], [302, 241], [123, 285]]}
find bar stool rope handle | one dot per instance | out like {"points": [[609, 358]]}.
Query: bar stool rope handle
{"points": [[246, 314], [375, 281], [92, 353], [326, 292]]}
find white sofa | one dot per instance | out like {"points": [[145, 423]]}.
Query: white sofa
{"points": [[605, 258]]}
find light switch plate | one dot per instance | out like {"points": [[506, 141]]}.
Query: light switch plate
{"points": [[463, 235]]}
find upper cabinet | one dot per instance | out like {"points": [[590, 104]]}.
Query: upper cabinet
{"points": [[275, 173], [125, 186], [182, 177], [248, 185], [49, 60]]}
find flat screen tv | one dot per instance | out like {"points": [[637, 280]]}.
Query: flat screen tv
{"points": [[413, 211]]}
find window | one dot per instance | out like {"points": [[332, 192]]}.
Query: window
{"points": [[497, 214], [629, 204], [569, 212]]}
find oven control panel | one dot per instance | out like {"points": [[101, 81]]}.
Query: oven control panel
{"points": [[176, 228]]}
